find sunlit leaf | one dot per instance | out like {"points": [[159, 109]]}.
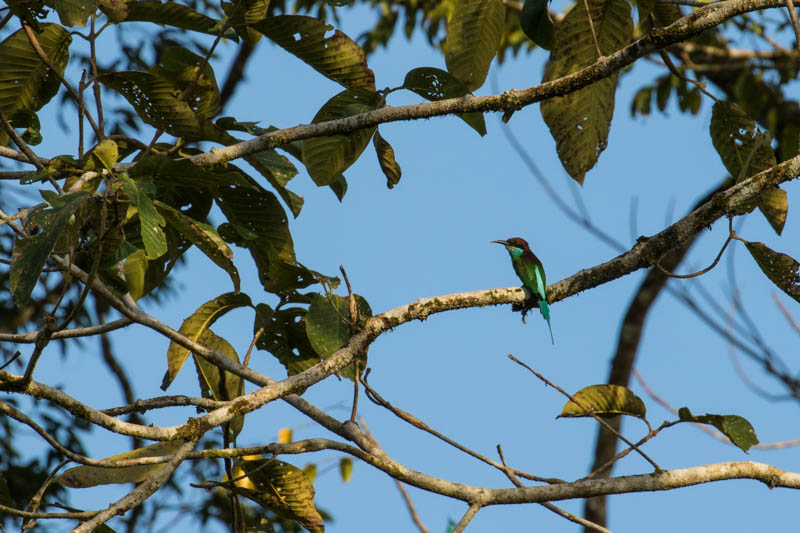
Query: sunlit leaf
{"points": [[74, 12], [783, 270], [736, 428], [774, 205], [436, 84], [243, 13], [194, 326], [285, 435], [605, 401], [91, 476], [135, 273], [141, 194], [285, 338], [580, 121], [164, 13], [106, 153], [473, 36]]}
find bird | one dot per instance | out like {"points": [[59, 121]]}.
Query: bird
{"points": [[530, 270]]}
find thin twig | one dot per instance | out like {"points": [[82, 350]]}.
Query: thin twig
{"points": [[699, 272], [785, 312], [795, 23], [95, 83], [28, 338], [591, 27], [468, 516]]}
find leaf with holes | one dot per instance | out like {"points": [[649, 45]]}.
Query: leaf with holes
{"points": [[25, 82], [473, 36], [194, 326], [31, 253], [580, 121], [284, 489], [328, 156], [535, 22], [391, 169], [285, 338], [90, 476], [203, 236], [606, 401], [141, 194], [735, 427], [191, 74], [338, 57], [436, 84], [782, 269], [328, 325], [216, 383]]}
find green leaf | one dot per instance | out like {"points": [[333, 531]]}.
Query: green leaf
{"points": [[31, 254], [135, 273], [435, 84], [285, 337], [736, 428], [164, 13], [194, 326], [245, 12], [327, 157], [535, 22], [579, 121], [216, 383], [204, 237], [5, 494], [338, 57], [74, 12], [24, 118], [141, 193], [284, 489], [606, 401], [25, 82], [168, 172], [278, 170], [746, 151], [328, 325], [782, 269], [186, 71], [386, 160], [106, 153], [473, 36], [90, 476], [346, 469]]}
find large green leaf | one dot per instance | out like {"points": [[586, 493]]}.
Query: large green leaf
{"points": [[473, 36], [31, 254], [168, 172], [783, 270], [746, 151], [338, 57], [245, 12], [391, 169], [25, 82], [216, 383], [194, 326], [436, 84], [579, 121], [141, 193], [605, 401], [192, 74], [74, 12], [328, 325], [736, 428], [285, 337], [284, 489], [327, 157], [164, 13], [136, 273], [91, 476], [535, 22]]}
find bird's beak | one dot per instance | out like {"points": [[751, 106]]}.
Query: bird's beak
{"points": [[504, 243]]}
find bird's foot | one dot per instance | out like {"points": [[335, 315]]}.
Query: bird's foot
{"points": [[524, 307]]}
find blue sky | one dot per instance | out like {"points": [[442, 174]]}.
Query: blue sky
{"points": [[430, 236]]}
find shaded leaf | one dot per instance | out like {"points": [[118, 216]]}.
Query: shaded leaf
{"points": [[135, 273], [25, 82], [216, 383], [338, 57], [31, 254], [203, 236], [192, 75], [436, 84], [346, 469], [580, 121], [27, 119], [285, 338], [328, 325], [386, 160], [91, 476], [194, 326], [245, 12], [183, 173], [774, 205], [141, 193], [605, 401], [736, 428], [535, 22], [780, 268], [473, 36], [285, 490], [327, 157], [164, 13], [74, 12]]}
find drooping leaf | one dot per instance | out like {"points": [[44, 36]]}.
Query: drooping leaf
{"points": [[203, 236], [536, 23], [580, 121], [285, 338], [242, 13], [278, 170], [386, 160], [141, 193], [338, 57], [25, 82], [436, 84], [473, 36], [284, 489], [605, 401], [216, 383], [194, 326], [91, 476], [164, 13], [781, 269], [328, 325], [31, 253], [327, 157], [746, 151], [135, 273], [74, 12], [736, 428], [346, 469]]}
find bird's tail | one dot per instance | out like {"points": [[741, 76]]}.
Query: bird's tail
{"points": [[545, 309]]}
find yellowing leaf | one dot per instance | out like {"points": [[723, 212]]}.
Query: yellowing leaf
{"points": [[135, 273], [605, 401], [391, 169], [346, 469], [783, 270], [285, 435]]}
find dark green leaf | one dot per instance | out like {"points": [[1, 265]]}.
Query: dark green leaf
{"points": [[25, 118], [536, 23], [736, 428], [182, 173], [435, 84], [74, 12], [216, 383], [605, 401], [164, 13], [328, 325], [285, 337], [782, 269], [386, 160], [473, 36], [245, 12]]}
